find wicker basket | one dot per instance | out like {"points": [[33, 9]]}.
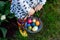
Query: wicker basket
{"points": [[39, 29]]}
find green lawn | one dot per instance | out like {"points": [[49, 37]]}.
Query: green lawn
{"points": [[51, 23]]}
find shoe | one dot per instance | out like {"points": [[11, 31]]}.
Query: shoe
{"points": [[23, 33]]}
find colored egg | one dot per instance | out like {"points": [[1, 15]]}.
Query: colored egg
{"points": [[29, 21], [35, 28], [34, 20], [30, 28], [32, 24], [37, 23], [28, 25]]}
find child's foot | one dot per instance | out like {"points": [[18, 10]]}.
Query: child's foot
{"points": [[21, 30]]}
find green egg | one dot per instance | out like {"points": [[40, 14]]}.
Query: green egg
{"points": [[30, 27]]}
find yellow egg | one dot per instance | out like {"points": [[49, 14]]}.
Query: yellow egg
{"points": [[34, 20], [37, 23]]}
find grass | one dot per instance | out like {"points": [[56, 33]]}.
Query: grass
{"points": [[51, 23]]}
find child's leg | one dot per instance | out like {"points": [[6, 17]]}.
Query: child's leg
{"points": [[21, 28]]}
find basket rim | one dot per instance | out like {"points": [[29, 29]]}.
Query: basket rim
{"points": [[41, 25]]}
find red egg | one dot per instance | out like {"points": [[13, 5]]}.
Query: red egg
{"points": [[29, 21]]}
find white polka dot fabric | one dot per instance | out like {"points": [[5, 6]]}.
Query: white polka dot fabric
{"points": [[21, 7]]}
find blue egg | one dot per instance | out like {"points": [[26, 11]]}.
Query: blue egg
{"points": [[28, 25], [33, 24]]}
